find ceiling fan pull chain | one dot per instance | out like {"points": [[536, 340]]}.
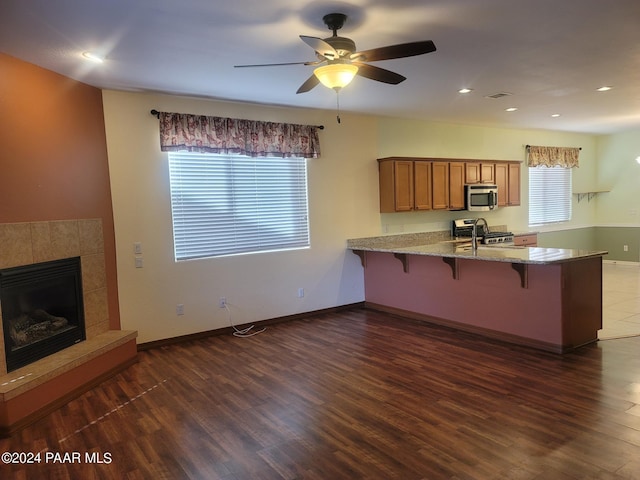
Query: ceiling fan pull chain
{"points": [[338, 104]]}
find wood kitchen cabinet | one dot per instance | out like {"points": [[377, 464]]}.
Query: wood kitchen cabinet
{"points": [[414, 184], [440, 185], [507, 178], [526, 239], [422, 185], [502, 181], [405, 185], [479, 172], [448, 185], [514, 184], [456, 186], [396, 186]]}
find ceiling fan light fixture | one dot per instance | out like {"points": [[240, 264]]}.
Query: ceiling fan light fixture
{"points": [[93, 57], [336, 75]]}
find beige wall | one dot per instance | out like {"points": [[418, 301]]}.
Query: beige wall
{"points": [[618, 210], [430, 139], [343, 202], [619, 173]]}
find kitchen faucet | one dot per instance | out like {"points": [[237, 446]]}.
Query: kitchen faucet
{"points": [[474, 233]]}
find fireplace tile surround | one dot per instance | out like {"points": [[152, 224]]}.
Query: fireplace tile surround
{"points": [[27, 243], [31, 391]]}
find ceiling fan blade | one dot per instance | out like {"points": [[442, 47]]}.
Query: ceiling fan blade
{"points": [[279, 64], [395, 51], [311, 82], [320, 46], [378, 74]]}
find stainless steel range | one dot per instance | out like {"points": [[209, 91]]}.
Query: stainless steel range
{"points": [[497, 237], [463, 228]]}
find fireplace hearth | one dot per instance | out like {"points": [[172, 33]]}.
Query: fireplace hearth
{"points": [[42, 310], [101, 350]]}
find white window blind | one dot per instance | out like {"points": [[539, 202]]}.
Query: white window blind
{"points": [[227, 204], [549, 195]]}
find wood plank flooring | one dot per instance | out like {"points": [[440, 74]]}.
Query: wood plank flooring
{"points": [[350, 395]]}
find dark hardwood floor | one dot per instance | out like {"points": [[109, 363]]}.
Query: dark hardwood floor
{"points": [[350, 395]]}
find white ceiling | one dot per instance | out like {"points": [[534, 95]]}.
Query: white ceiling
{"points": [[551, 55]]}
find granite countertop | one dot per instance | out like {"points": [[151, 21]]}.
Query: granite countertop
{"points": [[438, 246]]}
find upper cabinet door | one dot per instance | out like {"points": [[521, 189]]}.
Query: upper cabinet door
{"points": [[472, 172], [404, 185], [440, 193], [396, 185], [456, 186], [508, 182], [422, 185], [502, 181], [514, 184], [487, 173]]}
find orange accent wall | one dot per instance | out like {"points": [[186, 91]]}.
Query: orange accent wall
{"points": [[53, 155]]}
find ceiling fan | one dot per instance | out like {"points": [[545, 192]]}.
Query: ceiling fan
{"points": [[338, 61]]}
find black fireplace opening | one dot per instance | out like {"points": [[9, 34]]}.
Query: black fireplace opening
{"points": [[42, 310]]}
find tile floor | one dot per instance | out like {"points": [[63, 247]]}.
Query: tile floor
{"points": [[620, 300]]}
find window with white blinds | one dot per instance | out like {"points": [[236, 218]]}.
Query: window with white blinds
{"points": [[227, 204], [549, 195]]}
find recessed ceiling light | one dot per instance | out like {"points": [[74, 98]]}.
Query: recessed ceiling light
{"points": [[510, 109], [604, 88], [465, 90], [555, 115], [93, 57]]}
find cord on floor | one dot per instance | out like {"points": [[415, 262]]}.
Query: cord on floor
{"points": [[245, 332]]}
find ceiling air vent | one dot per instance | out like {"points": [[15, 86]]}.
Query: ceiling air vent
{"points": [[499, 95]]}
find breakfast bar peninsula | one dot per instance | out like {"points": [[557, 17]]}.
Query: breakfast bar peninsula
{"points": [[546, 298]]}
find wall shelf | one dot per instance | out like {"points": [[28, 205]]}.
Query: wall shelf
{"points": [[589, 195]]}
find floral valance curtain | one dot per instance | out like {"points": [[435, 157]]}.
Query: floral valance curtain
{"points": [[552, 156], [199, 133]]}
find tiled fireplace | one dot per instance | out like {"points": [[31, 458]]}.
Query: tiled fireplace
{"points": [[46, 382], [42, 310], [31, 243]]}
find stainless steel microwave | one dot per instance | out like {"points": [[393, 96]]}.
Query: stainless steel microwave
{"points": [[481, 197]]}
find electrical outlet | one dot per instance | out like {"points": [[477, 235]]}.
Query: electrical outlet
{"points": [[625, 248], [180, 309], [300, 292], [222, 303]]}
